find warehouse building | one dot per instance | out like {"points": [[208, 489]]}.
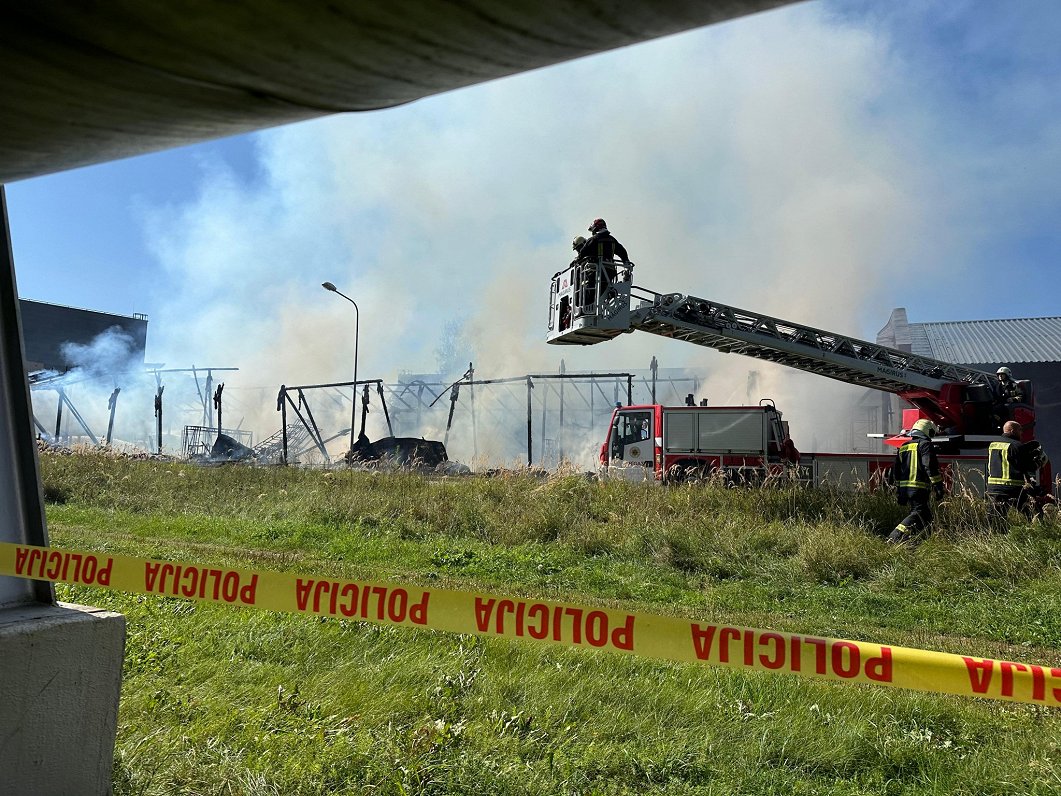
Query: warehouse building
{"points": [[1030, 347], [49, 331]]}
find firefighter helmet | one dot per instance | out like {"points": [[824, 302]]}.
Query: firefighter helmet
{"points": [[1012, 429], [1004, 371], [1034, 456], [578, 243], [926, 427], [597, 225]]}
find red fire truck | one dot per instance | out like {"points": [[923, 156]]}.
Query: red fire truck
{"points": [[589, 305], [743, 445], [678, 441]]}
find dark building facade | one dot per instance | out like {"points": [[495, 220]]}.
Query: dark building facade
{"points": [[1030, 347], [49, 328]]}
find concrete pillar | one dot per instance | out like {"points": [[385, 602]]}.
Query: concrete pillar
{"points": [[60, 665], [62, 674]]}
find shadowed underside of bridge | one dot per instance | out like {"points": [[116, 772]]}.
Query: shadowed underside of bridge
{"points": [[85, 82]]}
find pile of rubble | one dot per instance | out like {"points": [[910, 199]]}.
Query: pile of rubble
{"points": [[123, 451], [43, 446], [391, 454], [409, 454], [390, 466]]}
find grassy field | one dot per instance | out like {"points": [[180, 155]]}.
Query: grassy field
{"points": [[222, 701]]}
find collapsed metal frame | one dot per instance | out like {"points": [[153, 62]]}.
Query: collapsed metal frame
{"points": [[417, 395], [411, 395], [399, 391], [309, 423], [60, 382], [62, 399], [199, 440], [204, 397], [575, 379], [554, 383]]}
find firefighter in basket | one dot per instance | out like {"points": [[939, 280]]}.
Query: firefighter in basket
{"points": [[916, 475], [576, 246], [1011, 390], [603, 248]]}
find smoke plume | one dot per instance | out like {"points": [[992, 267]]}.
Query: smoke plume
{"points": [[765, 163]]}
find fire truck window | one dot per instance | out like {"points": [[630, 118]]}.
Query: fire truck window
{"points": [[633, 427]]}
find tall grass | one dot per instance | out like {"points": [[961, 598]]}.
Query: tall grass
{"points": [[223, 701]]}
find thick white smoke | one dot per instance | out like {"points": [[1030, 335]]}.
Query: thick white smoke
{"points": [[746, 163], [75, 406]]}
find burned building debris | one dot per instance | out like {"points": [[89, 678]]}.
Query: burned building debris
{"points": [[534, 420], [227, 449], [407, 452]]}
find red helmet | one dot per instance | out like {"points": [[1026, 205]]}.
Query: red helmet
{"points": [[597, 225]]}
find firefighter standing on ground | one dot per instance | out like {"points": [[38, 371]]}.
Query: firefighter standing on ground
{"points": [[1011, 472], [916, 474]]}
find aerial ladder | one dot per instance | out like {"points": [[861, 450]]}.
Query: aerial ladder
{"points": [[588, 306]]}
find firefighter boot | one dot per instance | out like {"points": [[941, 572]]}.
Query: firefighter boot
{"points": [[901, 535]]}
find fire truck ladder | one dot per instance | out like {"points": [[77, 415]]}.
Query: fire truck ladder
{"points": [[733, 330], [846, 359]]}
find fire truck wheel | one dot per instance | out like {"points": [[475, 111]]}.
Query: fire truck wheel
{"points": [[686, 473], [745, 477], [675, 474]]}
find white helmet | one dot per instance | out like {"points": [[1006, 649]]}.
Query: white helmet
{"points": [[1004, 371], [926, 427]]}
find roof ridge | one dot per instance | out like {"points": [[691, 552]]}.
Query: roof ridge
{"points": [[991, 320]]}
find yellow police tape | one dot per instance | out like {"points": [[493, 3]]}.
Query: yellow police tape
{"points": [[538, 621]]}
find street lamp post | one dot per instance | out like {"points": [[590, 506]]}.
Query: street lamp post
{"points": [[357, 335]]}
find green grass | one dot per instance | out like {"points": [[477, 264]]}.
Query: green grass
{"points": [[223, 701]]}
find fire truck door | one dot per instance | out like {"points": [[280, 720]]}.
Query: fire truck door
{"points": [[631, 441]]}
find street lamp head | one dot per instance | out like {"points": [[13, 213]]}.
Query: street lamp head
{"points": [[329, 286]]}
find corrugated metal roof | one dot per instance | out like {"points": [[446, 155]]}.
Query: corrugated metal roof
{"points": [[973, 342]]}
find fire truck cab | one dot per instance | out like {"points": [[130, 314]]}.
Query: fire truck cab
{"points": [[745, 443]]}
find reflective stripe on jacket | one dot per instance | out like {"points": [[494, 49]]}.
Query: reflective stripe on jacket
{"points": [[916, 466], [1002, 469]]}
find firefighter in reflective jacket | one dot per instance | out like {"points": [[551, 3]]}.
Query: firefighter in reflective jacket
{"points": [[916, 474], [1011, 472]]}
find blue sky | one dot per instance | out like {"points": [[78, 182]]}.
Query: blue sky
{"points": [[824, 162]]}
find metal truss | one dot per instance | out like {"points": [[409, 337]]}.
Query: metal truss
{"points": [[846, 359]]}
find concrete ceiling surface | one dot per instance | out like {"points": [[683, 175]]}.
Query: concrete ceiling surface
{"points": [[85, 81]]}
